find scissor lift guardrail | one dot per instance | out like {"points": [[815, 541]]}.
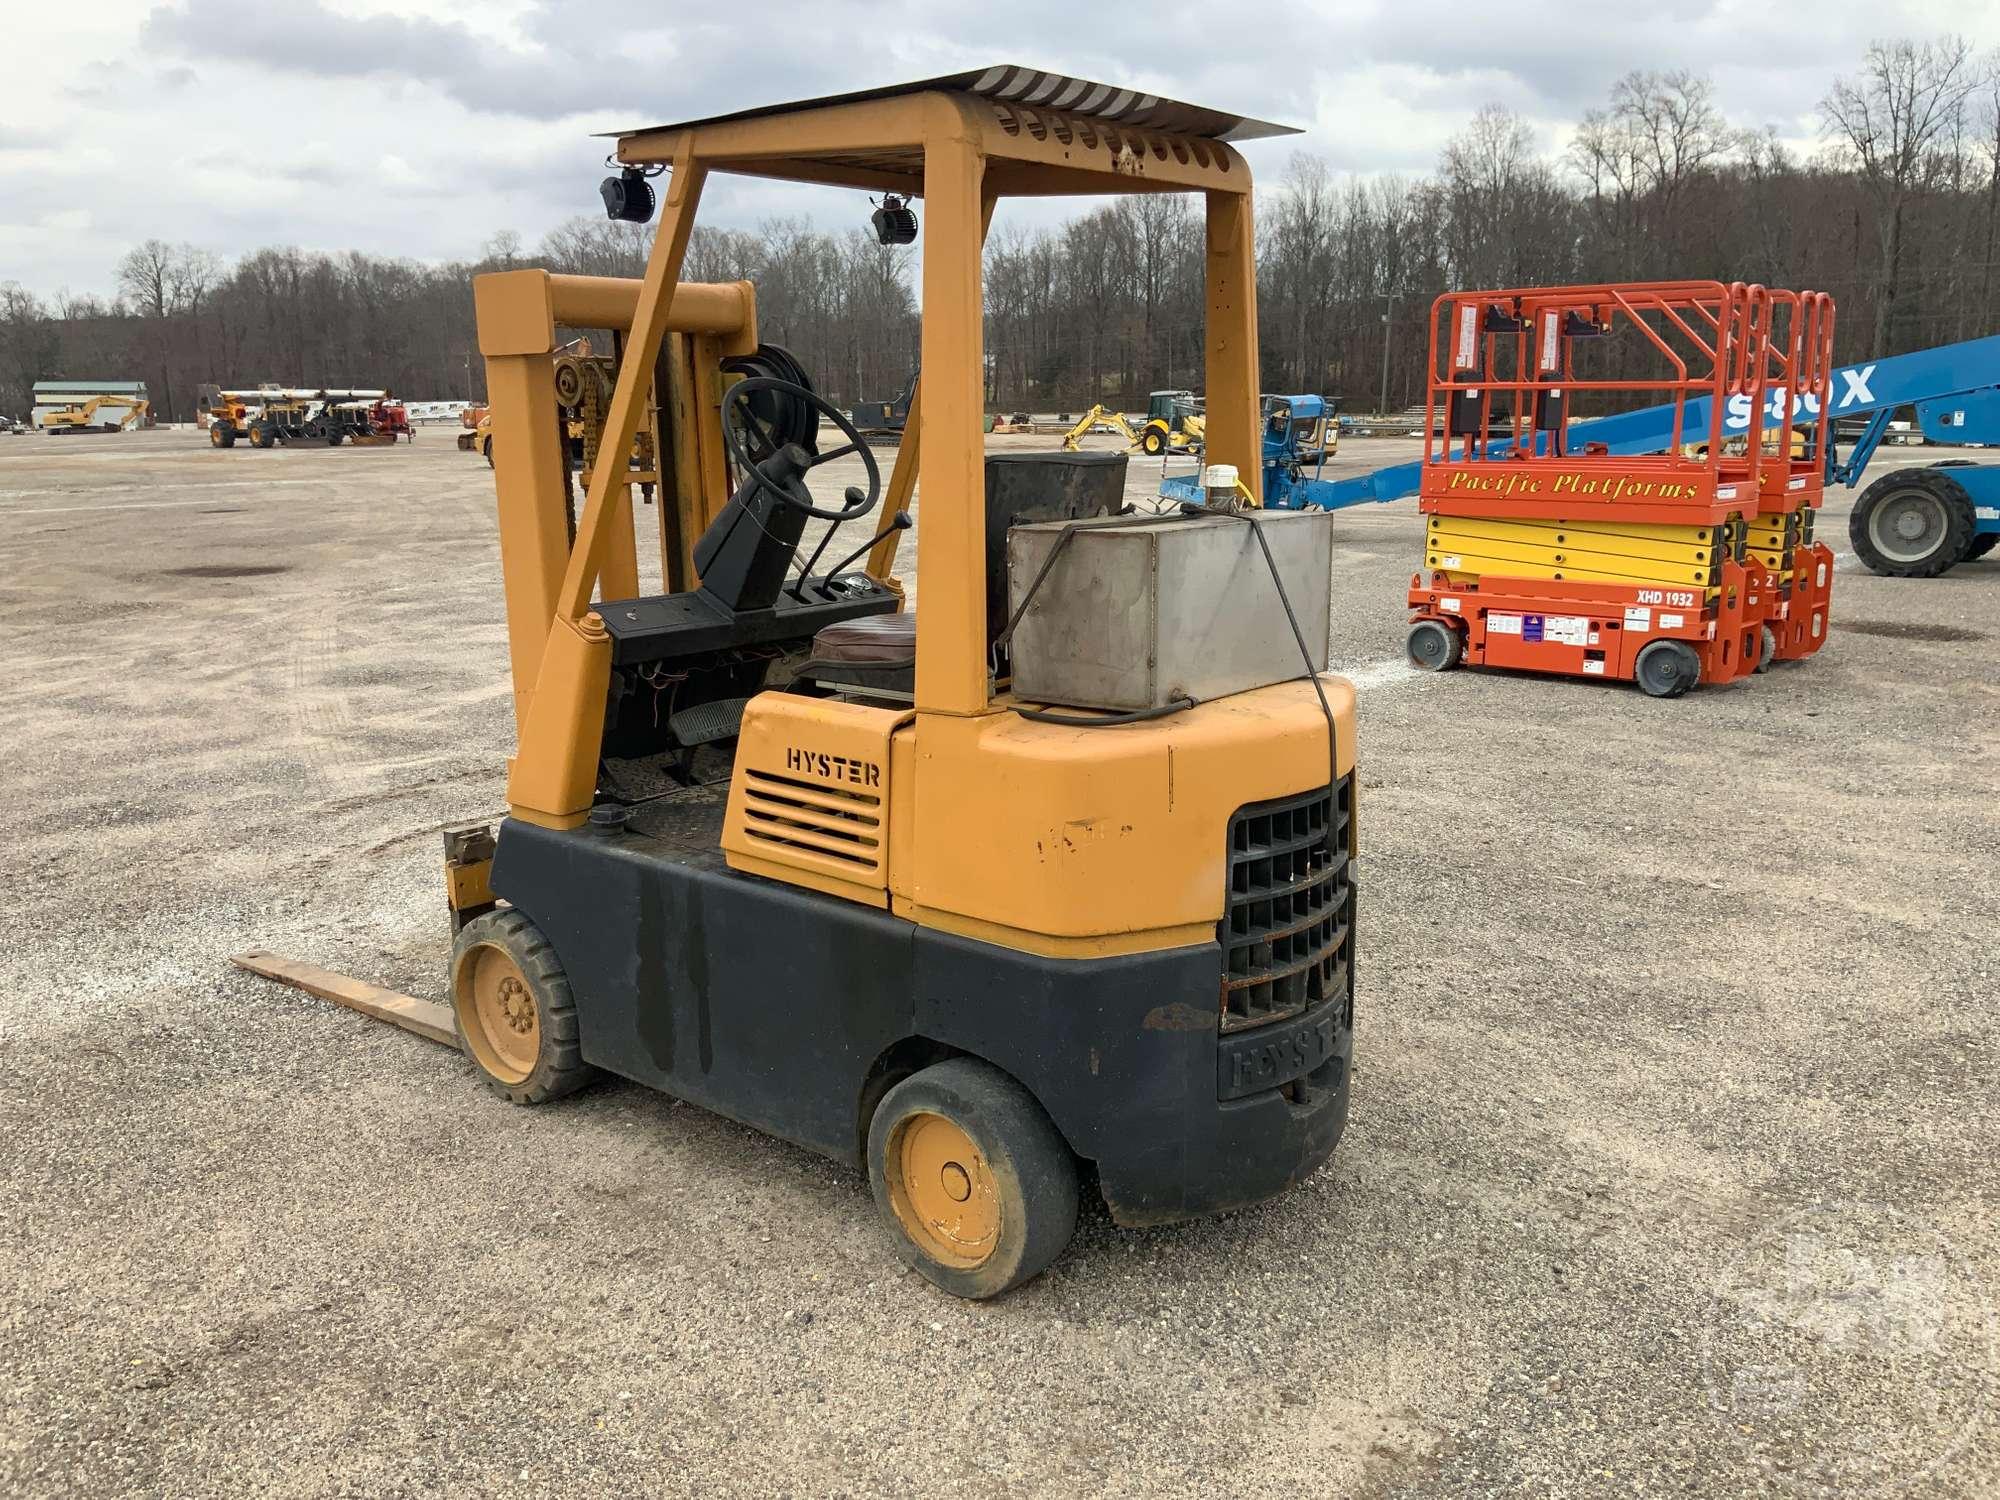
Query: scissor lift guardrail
{"points": [[1547, 551]]}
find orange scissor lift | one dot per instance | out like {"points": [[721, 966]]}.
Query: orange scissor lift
{"points": [[1695, 564]]}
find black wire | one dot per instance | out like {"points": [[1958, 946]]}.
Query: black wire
{"points": [[1180, 704], [1183, 703], [1136, 716], [1001, 641], [1312, 673]]}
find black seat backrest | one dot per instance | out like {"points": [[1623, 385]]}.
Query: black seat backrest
{"points": [[1056, 486]]}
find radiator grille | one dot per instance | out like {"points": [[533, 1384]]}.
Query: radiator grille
{"points": [[827, 821], [1290, 907]]}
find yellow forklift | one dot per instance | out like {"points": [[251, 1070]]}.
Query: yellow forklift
{"points": [[991, 907]]}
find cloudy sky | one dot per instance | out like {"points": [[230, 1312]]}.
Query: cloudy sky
{"points": [[406, 127]]}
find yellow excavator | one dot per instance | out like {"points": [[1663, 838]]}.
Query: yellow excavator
{"points": [[108, 413], [1174, 424], [1039, 892]]}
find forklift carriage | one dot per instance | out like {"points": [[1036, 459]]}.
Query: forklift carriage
{"points": [[776, 850]]}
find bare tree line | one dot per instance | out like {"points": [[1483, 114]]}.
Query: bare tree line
{"points": [[1897, 213]]}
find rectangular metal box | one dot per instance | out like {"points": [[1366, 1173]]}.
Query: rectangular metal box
{"points": [[1138, 612]]}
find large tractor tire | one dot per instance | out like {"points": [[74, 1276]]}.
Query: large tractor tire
{"points": [[972, 1178], [1153, 441], [220, 435], [1914, 523], [516, 1016], [260, 435]]}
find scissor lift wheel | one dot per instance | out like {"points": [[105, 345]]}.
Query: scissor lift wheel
{"points": [[516, 1017], [1434, 646], [975, 1183], [1666, 669]]}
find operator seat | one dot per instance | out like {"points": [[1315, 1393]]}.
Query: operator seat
{"points": [[877, 654]]}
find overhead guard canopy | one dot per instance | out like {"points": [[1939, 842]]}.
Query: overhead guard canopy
{"points": [[1073, 130], [1030, 86]]}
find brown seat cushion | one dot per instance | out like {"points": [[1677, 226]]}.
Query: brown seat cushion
{"points": [[882, 640]]}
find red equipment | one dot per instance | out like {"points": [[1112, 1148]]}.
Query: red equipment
{"points": [[1694, 564], [390, 419]]}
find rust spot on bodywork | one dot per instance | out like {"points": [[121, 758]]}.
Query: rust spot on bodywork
{"points": [[1180, 1016]]}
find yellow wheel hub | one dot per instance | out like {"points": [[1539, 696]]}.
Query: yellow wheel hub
{"points": [[943, 1191], [497, 1014]]}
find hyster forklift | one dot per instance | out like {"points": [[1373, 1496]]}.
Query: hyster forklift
{"points": [[778, 851]]}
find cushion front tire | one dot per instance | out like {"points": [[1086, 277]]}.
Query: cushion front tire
{"points": [[516, 1017]]}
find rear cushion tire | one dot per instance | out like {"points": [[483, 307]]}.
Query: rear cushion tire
{"points": [[515, 1013], [1914, 523], [989, 1146]]}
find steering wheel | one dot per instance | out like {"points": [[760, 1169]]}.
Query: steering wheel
{"points": [[735, 416]]}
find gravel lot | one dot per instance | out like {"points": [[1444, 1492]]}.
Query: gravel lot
{"points": [[1671, 1167]]}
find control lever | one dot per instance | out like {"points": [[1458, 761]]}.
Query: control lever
{"points": [[855, 496], [900, 521]]}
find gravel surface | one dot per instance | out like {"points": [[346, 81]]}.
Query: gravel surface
{"points": [[1671, 1167]]}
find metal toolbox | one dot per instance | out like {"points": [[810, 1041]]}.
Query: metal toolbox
{"points": [[1137, 612]]}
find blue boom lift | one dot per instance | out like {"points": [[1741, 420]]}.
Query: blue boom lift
{"points": [[1913, 523], [1299, 435]]}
